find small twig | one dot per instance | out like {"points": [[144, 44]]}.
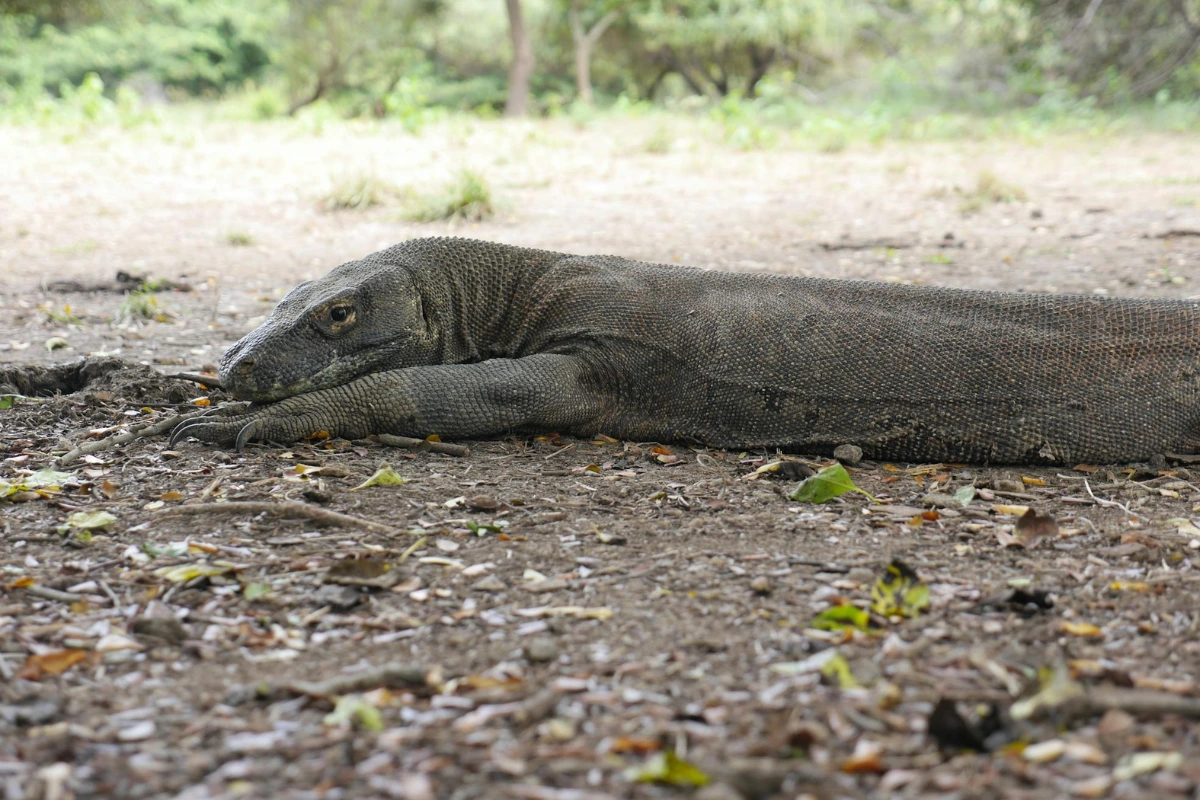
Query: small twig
{"points": [[212, 487], [414, 547], [111, 594], [211, 381], [136, 432], [46, 593], [1106, 503], [424, 445], [389, 676], [280, 509], [1149, 702], [562, 449]]}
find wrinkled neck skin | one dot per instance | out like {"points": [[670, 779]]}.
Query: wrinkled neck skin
{"points": [[422, 302], [476, 295]]}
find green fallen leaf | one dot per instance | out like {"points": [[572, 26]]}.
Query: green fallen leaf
{"points": [[352, 711], [481, 528], [671, 770], [173, 550], [837, 670], [841, 618], [46, 477], [186, 572], [899, 592], [965, 495], [42, 479], [254, 591], [89, 521], [384, 476], [1055, 688], [826, 485], [7, 401]]}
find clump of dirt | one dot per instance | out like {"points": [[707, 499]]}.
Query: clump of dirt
{"points": [[93, 378]]}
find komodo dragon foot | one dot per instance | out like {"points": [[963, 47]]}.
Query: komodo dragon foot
{"points": [[328, 411]]}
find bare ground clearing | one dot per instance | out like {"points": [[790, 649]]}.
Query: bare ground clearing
{"points": [[675, 585]]}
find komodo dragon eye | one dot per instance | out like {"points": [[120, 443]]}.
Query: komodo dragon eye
{"points": [[337, 318]]}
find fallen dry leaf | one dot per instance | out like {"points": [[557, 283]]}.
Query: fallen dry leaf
{"points": [[50, 664]]}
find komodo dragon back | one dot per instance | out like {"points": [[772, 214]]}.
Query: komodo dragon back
{"points": [[465, 339]]}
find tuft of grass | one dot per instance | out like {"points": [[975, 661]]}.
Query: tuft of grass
{"points": [[141, 305], [831, 142], [358, 192], [467, 197], [659, 142], [63, 316], [990, 189], [239, 238]]}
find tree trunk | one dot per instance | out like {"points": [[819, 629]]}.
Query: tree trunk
{"points": [[761, 62], [521, 71], [585, 40]]}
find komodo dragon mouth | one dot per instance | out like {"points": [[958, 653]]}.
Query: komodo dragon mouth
{"points": [[466, 339]]}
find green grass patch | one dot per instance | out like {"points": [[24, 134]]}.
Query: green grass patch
{"points": [[467, 197], [659, 142], [990, 189], [61, 316], [239, 239], [358, 192], [141, 305]]}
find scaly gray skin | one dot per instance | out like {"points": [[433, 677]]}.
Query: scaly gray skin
{"points": [[469, 339]]}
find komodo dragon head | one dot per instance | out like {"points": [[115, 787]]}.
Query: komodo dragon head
{"points": [[364, 316]]}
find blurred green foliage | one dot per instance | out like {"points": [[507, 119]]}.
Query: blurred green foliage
{"points": [[824, 73]]}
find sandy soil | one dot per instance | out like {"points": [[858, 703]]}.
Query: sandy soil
{"points": [[161, 655]]}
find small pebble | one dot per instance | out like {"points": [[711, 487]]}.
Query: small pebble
{"points": [[483, 502], [489, 584], [848, 454], [940, 500], [719, 791], [1045, 752], [339, 598], [540, 649], [137, 732], [168, 629], [761, 585]]}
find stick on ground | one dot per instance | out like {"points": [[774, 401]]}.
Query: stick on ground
{"points": [[136, 432], [320, 516], [211, 381], [424, 445]]}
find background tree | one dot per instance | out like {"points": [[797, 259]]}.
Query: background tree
{"points": [[520, 73], [365, 46], [721, 47], [585, 39]]}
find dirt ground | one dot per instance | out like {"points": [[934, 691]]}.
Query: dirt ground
{"points": [[550, 618]]}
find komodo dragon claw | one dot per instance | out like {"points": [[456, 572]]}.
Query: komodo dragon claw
{"points": [[300, 417]]}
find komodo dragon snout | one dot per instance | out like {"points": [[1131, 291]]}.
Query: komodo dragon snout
{"points": [[325, 333]]}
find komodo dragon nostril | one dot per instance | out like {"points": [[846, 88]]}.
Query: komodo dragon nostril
{"points": [[244, 366]]}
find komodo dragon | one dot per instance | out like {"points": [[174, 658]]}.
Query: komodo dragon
{"points": [[469, 339]]}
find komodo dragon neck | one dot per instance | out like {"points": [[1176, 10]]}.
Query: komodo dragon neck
{"points": [[476, 308]]}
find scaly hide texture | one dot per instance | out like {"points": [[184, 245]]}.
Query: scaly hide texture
{"points": [[469, 339]]}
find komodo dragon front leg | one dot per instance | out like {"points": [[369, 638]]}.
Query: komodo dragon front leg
{"points": [[544, 391]]}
